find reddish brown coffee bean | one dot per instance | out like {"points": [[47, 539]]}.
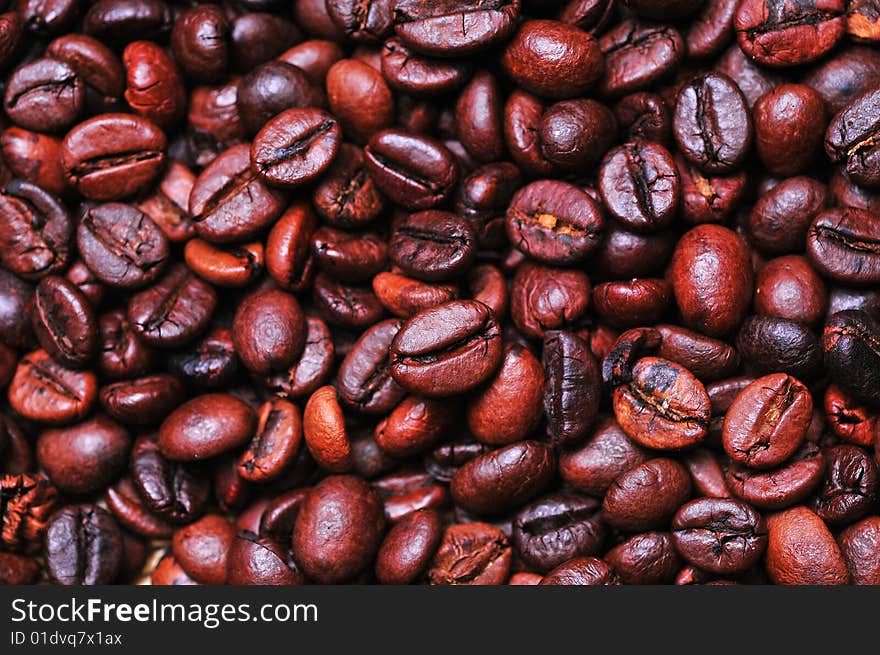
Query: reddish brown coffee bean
{"points": [[288, 248], [113, 156], [663, 407], [142, 401], [788, 287], [206, 426], [253, 560], [628, 304], [42, 390], [471, 554], [801, 550], [849, 419], [84, 458], [532, 58], [509, 407], [408, 548], [859, 546], [132, 513], [849, 490], [269, 331], [236, 266], [338, 529], [788, 123], [35, 231], [360, 98], [546, 298], [447, 350], [405, 296], [782, 487], [646, 496], [34, 157], [64, 322], [646, 558], [202, 548], [767, 421], [454, 28], [581, 571], [154, 88], [712, 279], [505, 478], [778, 223], [275, 444], [325, 433], [415, 425]]}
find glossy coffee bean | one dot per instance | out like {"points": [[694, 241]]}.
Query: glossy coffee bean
{"points": [[175, 492], [719, 535], [778, 344], [454, 27], [780, 219], [142, 401], [788, 287], [487, 561], [850, 342], [338, 529], [254, 560], [64, 322], [206, 426], [663, 407], [43, 390], [347, 197], [547, 298], [365, 382], [572, 389], [849, 490], [788, 123], [202, 548], [843, 245], [781, 487], [35, 230], [557, 528], [268, 331], [83, 546], [638, 55], [582, 571], [858, 544], [801, 550], [850, 139], [45, 95], [432, 245], [200, 42], [646, 558], [447, 350], [408, 547], [646, 496]]}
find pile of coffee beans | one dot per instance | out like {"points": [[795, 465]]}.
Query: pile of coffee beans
{"points": [[440, 291]]}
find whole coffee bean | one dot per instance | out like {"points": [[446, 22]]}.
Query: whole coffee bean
{"points": [[45, 95], [789, 122], [96, 64], [295, 147], [338, 529], [663, 407], [646, 558], [532, 58], [229, 202], [801, 550], [206, 426], [844, 244], [271, 88], [142, 400], [637, 302], [288, 248], [202, 548], [788, 33], [638, 55], [509, 407], [719, 535], [767, 421], [325, 432], [34, 157], [778, 223], [644, 116], [64, 322], [414, 426], [554, 222], [471, 554], [454, 27], [777, 344], [408, 72], [113, 156], [414, 171], [712, 124], [556, 529], [268, 331], [603, 456], [782, 487], [313, 366], [235, 266], [447, 350], [708, 359], [646, 496], [847, 74], [522, 120], [478, 116], [505, 478], [433, 245], [852, 356], [712, 279], [849, 419], [347, 197], [486, 283], [347, 256], [405, 296], [572, 389], [708, 199], [360, 98], [254, 560], [121, 354], [175, 492], [83, 546], [154, 88], [706, 473], [213, 123], [43, 390], [576, 133], [173, 311], [200, 42], [35, 230], [121, 21], [640, 185], [346, 305], [275, 443], [788, 287], [582, 571], [546, 298], [859, 546], [259, 36], [366, 23], [167, 205], [407, 549], [483, 197], [28, 503], [364, 380], [121, 245], [850, 487]]}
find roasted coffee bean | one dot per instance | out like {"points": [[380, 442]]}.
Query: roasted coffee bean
{"points": [[64, 322], [546, 298], [788, 287], [347, 197], [646, 496], [365, 379], [712, 124], [638, 55], [454, 27], [43, 390], [852, 354], [142, 401], [269, 331], [556, 529], [83, 546], [572, 390], [801, 550], [719, 535], [254, 560], [174, 491], [554, 222], [646, 558], [345, 305], [206, 426], [778, 344], [844, 245], [200, 42], [154, 88], [782, 487], [295, 147], [789, 122], [582, 571], [408, 547], [858, 544], [349, 257], [338, 529], [849, 419], [781, 33], [851, 138], [767, 421], [35, 231], [45, 95], [850, 487], [471, 554], [447, 350], [502, 479], [113, 156], [202, 548], [478, 116], [432, 245]]}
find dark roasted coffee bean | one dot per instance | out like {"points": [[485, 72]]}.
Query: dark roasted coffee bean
{"points": [[850, 487], [572, 390], [174, 491], [45, 95], [64, 322], [43, 390], [35, 230], [851, 344], [801, 550], [646, 496], [782, 487], [638, 55], [83, 546], [206, 426], [142, 401], [433, 245], [454, 27], [471, 554], [778, 344]]}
